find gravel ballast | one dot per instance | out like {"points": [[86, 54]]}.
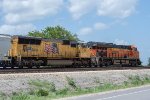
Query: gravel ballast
{"points": [[10, 83]]}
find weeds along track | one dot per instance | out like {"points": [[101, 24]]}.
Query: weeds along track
{"points": [[58, 69]]}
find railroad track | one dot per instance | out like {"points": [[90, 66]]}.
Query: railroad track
{"points": [[52, 70]]}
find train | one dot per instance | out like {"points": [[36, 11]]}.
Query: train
{"points": [[25, 51]]}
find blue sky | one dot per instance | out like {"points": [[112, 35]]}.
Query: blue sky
{"points": [[117, 21]]}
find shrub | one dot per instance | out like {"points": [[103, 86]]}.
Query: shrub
{"points": [[136, 80], [126, 83], [71, 82], [14, 93], [62, 91], [32, 92], [42, 92], [3, 96], [52, 87], [146, 79]]}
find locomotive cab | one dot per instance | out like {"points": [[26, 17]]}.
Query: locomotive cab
{"points": [[133, 48], [83, 50], [134, 52]]}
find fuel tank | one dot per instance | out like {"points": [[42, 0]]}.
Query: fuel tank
{"points": [[60, 62]]}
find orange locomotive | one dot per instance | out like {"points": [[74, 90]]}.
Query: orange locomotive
{"points": [[111, 54]]}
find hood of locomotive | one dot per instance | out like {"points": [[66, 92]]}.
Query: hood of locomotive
{"points": [[5, 44]]}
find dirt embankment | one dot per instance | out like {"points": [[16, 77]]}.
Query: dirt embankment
{"points": [[20, 82]]}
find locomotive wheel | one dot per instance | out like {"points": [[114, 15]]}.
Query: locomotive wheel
{"points": [[95, 65], [101, 65], [131, 65], [12, 66], [89, 64], [4, 67], [134, 65], [20, 67], [106, 64], [73, 65], [30, 67], [84, 64], [38, 67]]}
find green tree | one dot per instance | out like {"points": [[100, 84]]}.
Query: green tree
{"points": [[149, 61], [57, 32]]}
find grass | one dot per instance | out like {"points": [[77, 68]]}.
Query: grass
{"points": [[20, 96], [38, 84], [137, 81], [44, 90]]}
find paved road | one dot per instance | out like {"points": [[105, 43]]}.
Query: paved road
{"points": [[142, 93]]}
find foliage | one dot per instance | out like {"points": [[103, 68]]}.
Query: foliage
{"points": [[20, 96], [43, 85], [32, 92], [57, 32], [136, 80], [71, 82], [146, 79], [126, 83], [3, 96], [106, 86], [62, 91], [52, 87], [42, 92]]}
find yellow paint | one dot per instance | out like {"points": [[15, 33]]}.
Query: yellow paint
{"points": [[38, 51]]}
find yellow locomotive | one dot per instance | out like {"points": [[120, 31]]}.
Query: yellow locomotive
{"points": [[31, 51]]}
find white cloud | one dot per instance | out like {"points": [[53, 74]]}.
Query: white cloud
{"points": [[100, 26], [78, 8], [18, 14], [120, 42], [22, 29], [111, 8], [20, 11], [85, 31], [96, 27], [116, 8]]}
